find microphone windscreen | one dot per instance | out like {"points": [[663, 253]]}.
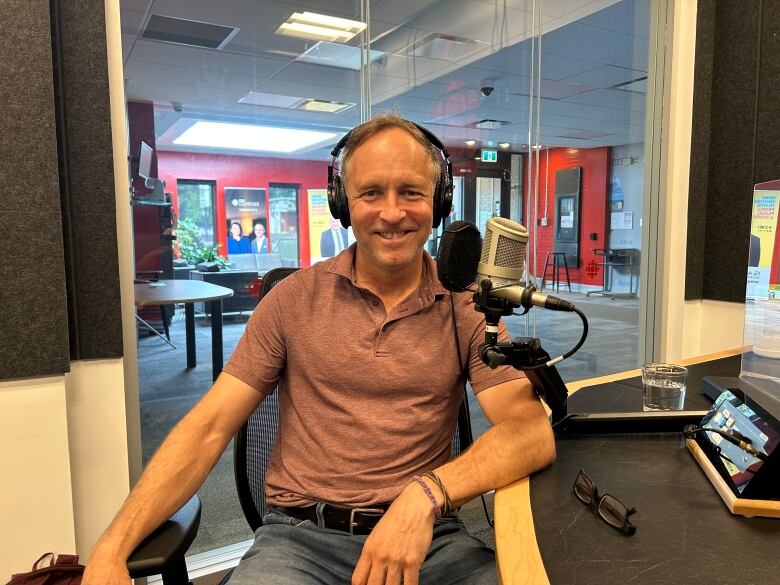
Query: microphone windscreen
{"points": [[458, 256]]}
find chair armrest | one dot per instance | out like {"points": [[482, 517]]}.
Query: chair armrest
{"points": [[518, 558], [167, 545]]}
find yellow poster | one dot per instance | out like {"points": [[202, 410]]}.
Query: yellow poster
{"points": [[763, 231], [319, 220]]}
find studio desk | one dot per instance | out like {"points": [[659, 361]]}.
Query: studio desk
{"points": [[684, 532]]}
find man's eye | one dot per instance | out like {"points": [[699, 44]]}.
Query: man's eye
{"points": [[410, 193], [371, 194]]}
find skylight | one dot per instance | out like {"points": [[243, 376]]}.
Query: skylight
{"points": [[250, 137]]}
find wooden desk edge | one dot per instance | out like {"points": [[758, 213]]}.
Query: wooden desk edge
{"points": [[519, 559], [579, 384], [517, 552]]}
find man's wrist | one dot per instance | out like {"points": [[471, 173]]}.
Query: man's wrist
{"points": [[429, 490]]}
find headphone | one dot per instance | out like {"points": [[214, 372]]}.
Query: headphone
{"points": [[442, 196]]}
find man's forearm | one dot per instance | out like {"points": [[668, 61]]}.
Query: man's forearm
{"points": [[513, 449], [172, 476]]}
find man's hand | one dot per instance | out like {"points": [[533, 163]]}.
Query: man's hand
{"points": [[397, 545], [105, 573]]}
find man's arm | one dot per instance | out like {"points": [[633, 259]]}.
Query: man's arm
{"points": [[173, 475], [519, 443]]}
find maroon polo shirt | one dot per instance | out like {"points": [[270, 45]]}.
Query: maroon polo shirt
{"points": [[367, 399]]}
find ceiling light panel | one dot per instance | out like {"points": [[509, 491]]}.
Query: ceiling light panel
{"points": [[320, 27], [250, 137], [312, 105], [181, 31]]}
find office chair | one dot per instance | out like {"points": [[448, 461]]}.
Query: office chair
{"points": [[252, 447]]}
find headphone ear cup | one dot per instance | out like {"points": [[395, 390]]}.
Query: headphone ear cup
{"points": [[339, 207], [442, 200]]}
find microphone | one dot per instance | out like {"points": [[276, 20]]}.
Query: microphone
{"points": [[501, 263], [458, 255]]}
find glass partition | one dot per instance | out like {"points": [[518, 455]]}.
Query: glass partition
{"points": [[540, 103]]}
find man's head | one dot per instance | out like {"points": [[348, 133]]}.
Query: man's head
{"points": [[384, 122], [259, 230], [334, 223], [390, 185]]}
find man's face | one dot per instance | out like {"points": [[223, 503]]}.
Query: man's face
{"points": [[259, 230], [334, 223], [390, 195]]}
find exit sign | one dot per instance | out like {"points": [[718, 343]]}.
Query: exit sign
{"points": [[490, 156]]}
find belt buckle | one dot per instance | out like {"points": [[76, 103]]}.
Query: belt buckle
{"points": [[353, 511]]}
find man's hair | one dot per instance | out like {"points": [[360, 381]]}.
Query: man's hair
{"points": [[382, 122]]}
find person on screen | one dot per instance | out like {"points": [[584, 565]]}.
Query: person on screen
{"points": [[237, 242], [259, 244], [363, 351], [333, 240]]}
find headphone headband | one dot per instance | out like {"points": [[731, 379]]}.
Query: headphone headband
{"points": [[442, 200]]}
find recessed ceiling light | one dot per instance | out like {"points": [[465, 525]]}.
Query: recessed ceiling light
{"points": [[250, 137], [504, 145], [478, 157], [320, 27], [471, 142], [312, 105]]}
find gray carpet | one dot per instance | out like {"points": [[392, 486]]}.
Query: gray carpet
{"points": [[168, 390]]}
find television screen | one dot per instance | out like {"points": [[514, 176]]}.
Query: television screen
{"points": [[145, 161]]}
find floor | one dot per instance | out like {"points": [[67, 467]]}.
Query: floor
{"points": [[168, 390]]}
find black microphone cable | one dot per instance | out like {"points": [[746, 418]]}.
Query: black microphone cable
{"points": [[569, 353], [734, 437]]}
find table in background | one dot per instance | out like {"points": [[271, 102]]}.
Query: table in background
{"points": [[171, 292], [685, 534]]}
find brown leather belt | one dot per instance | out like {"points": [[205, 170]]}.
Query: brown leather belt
{"points": [[352, 520]]}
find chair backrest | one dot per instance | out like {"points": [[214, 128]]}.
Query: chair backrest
{"points": [[253, 444]]}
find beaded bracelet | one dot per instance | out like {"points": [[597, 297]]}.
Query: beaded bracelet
{"points": [[447, 508], [428, 493]]}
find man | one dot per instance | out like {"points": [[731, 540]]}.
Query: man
{"points": [[361, 424], [260, 243], [333, 240]]}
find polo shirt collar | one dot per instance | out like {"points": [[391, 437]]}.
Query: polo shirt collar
{"points": [[343, 264]]}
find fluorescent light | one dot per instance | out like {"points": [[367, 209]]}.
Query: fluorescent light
{"points": [[250, 137], [344, 24], [320, 27], [312, 105], [471, 142]]}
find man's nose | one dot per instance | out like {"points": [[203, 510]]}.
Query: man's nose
{"points": [[392, 208]]}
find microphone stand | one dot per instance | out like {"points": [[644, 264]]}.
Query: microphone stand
{"points": [[527, 355]]}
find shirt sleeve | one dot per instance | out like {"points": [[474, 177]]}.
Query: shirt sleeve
{"points": [[261, 353]]}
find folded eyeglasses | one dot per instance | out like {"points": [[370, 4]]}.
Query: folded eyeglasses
{"points": [[607, 507]]}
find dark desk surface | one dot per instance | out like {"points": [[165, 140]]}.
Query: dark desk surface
{"points": [[685, 534]]}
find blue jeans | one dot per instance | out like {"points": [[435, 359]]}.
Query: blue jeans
{"points": [[287, 551]]}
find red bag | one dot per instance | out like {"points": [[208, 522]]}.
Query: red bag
{"points": [[64, 570]]}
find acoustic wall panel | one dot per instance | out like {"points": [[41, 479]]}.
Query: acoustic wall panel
{"points": [[33, 316], [735, 142], [89, 203]]}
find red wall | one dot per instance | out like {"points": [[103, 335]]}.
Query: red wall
{"points": [[246, 171], [593, 205]]}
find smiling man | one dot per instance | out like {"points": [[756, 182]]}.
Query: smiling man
{"points": [[361, 483]]}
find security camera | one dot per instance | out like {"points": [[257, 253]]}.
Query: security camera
{"points": [[486, 90]]}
